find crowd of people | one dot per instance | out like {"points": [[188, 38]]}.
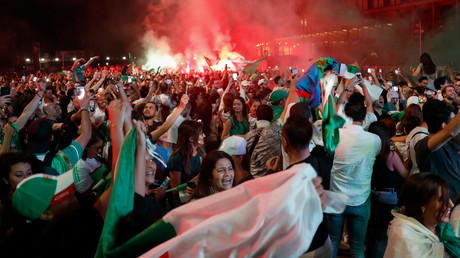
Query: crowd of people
{"points": [[200, 133]]}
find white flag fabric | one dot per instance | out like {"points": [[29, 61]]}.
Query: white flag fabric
{"points": [[271, 216]]}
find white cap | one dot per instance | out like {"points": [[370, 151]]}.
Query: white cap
{"points": [[234, 145], [261, 81], [412, 100], [245, 83]]}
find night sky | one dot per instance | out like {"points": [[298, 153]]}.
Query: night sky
{"points": [[103, 26]]}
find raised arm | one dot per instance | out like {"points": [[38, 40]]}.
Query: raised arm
{"points": [[88, 85], [91, 60], [6, 144], [367, 99], [292, 97], [417, 71], [32, 106], [451, 130], [100, 82], [409, 83], [85, 127], [139, 159], [170, 120]]}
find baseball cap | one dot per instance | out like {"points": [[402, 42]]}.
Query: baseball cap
{"points": [[412, 100], [36, 193], [245, 83], [234, 145], [261, 81], [278, 95]]}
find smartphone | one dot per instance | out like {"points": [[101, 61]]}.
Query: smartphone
{"points": [[5, 91], [141, 77], [23, 78], [340, 69], [35, 79], [359, 77], [397, 71], [148, 76], [92, 105], [80, 92], [294, 71], [130, 79], [235, 76], [380, 70], [370, 70], [395, 88], [168, 81]]}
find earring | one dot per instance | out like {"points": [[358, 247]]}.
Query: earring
{"points": [[423, 210], [211, 189]]}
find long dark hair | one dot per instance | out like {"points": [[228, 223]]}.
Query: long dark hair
{"points": [[428, 66], [244, 111], [417, 191], [412, 118], [381, 131], [188, 129], [207, 166], [7, 160], [95, 138]]}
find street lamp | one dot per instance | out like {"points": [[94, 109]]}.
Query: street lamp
{"points": [[56, 59], [74, 58], [27, 59]]}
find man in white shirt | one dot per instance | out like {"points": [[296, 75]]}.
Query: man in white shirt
{"points": [[351, 175]]}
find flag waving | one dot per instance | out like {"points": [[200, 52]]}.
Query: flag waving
{"points": [[122, 197], [209, 61], [275, 215], [252, 68], [331, 121], [308, 86]]}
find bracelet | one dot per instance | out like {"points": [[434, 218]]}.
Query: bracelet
{"points": [[39, 95], [84, 109]]}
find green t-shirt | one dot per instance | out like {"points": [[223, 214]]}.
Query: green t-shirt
{"points": [[176, 163], [65, 159], [240, 128]]}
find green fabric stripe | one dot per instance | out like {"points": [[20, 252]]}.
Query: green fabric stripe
{"points": [[122, 197], [156, 234], [331, 124], [352, 69]]}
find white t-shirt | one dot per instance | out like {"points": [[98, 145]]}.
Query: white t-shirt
{"points": [[84, 168], [98, 116]]}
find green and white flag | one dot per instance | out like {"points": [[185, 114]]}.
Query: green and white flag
{"points": [[275, 215]]}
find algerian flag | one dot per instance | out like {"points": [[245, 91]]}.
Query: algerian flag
{"points": [[351, 71], [131, 60], [331, 122], [330, 127], [307, 87], [122, 197], [275, 215], [252, 68]]}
